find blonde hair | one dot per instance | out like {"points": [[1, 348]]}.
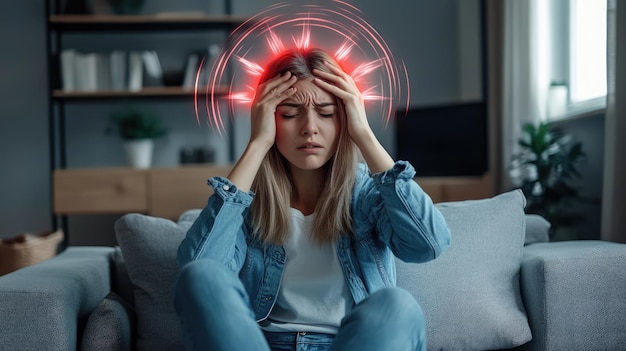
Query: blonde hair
{"points": [[271, 216]]}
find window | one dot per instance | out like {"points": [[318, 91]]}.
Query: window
{"points": [[588, 51], [581, 88]]}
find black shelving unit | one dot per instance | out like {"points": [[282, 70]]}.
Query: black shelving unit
{"points": [[59, 24]]}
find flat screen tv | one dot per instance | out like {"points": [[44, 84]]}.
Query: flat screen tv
{"points": [[444, 140]]}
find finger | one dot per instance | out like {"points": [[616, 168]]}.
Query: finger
{"points": [[275, 96], [332, 88], [337, 70], [344, 82], [276, 88], [276, 82]]}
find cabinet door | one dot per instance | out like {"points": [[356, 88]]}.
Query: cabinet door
{"points": [[444, 189], [173, 191], [99, 191]]}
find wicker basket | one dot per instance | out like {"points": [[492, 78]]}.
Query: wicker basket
{"points": [[28, 249]]}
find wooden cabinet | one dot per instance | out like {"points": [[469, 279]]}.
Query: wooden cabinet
{"points": [[445, 189], [168, 192], [99, 191], [162, 192], [173, 191]]}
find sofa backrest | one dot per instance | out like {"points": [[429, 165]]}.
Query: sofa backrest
{"points": [[496, 227]]}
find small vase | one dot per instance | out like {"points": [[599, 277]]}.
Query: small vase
{"points": [[139, 153]]}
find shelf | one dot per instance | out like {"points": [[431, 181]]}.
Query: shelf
{"points": [[142, 22], [145, 92]]}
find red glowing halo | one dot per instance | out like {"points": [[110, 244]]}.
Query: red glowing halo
{"points": [[337, 29]]}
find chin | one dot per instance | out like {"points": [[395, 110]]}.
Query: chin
{"points": [[308, 165]]}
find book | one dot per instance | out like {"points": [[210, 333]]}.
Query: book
{"points": [[68, 70], [85, 72], [191, 69], [135, 71], [193, 65], [153, 70]]}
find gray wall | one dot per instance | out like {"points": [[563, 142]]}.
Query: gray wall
{"points": [[24, 160], [422, 33], [590, 131]]}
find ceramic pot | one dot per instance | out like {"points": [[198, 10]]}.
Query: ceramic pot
{"points": [[139, 153]]}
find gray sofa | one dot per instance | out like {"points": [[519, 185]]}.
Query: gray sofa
{"points": [[501, 285]]}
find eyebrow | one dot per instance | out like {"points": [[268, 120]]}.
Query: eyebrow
{"points": [[295, 105]]}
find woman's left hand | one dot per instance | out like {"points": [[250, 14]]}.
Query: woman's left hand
{"points": [[342, 85]]}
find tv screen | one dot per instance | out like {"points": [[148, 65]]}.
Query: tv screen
{"points": [[444, 140]]}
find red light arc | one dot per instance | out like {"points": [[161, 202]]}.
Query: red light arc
{"points": [[338, 29]]}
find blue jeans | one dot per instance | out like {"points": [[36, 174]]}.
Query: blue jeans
{"points": [[214, 311]]}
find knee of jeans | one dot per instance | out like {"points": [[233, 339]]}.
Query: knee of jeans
{"points": [[401, 304], [201, 276]]}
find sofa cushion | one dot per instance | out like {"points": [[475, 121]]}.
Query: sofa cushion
{"points": [[537, 229], [471, 295], [110, 326], [149, 247]]}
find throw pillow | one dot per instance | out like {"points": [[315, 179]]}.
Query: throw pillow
{"points": [[110, 326], [537, 229], [471, 295], [149, 246]]}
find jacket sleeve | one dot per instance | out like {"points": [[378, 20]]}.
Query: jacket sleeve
{"points": [[219, 232], [404, 216]]}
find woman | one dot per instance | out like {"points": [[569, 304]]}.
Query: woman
{"points": [[294, 250]]}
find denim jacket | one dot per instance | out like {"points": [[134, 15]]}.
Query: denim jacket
{"points": [[391, 215]]}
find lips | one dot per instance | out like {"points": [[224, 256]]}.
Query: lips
{"points": [[310, 146]]}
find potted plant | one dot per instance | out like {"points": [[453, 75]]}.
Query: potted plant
{"points": [[138, 129], [543, 169]]}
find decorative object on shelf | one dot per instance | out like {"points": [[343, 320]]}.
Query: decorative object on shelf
{"points": [[126, 7], [542, 169], [138, 128], [197, 155], [139, 153]]}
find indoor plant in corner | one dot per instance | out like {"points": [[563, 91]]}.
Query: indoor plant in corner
{"points": [[543, 169], [138, 129]]}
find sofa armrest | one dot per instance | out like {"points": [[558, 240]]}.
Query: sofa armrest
{"points": [[47, 305], [575, 295]]}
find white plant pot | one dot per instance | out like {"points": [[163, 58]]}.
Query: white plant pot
{"points": [[139, 153]]}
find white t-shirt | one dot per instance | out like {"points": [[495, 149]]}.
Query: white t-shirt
{"points": [[313, 294]]}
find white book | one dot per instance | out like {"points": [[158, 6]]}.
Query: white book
{"points": [[154, 72], [91, 72], [191, 70], [118, 70], [68, 70], [135, 71], [80, 77]]}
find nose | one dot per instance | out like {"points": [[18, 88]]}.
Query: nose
{"points": [[309, 123]]}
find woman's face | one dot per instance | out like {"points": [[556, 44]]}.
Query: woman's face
{"points": [[307, 126]]}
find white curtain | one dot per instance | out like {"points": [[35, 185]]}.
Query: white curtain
{"points": [[614, 185], [526, 74]]}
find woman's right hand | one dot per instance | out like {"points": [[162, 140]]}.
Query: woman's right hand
{"points": [[268, 95]]}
